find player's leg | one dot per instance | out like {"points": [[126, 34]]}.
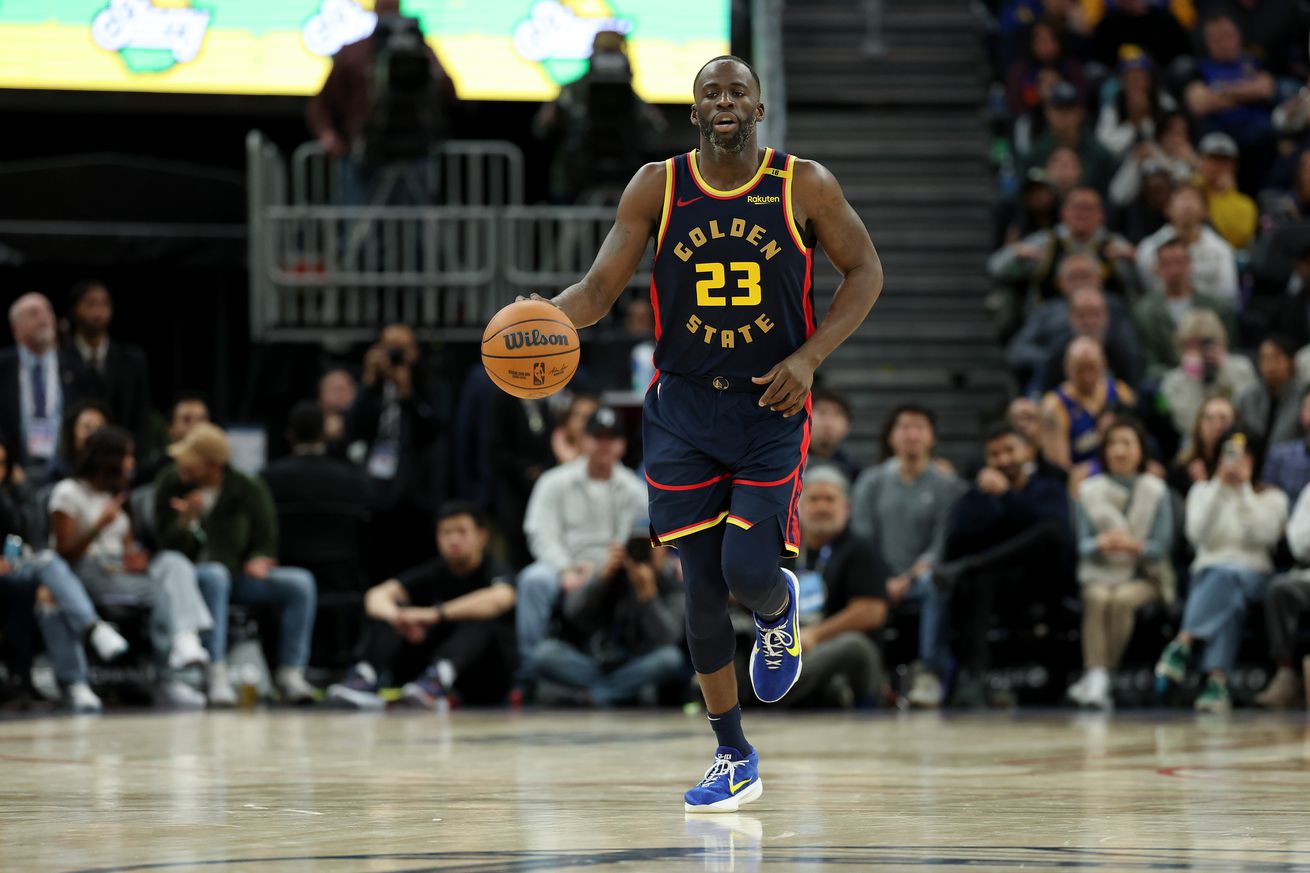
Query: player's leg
{"points": [[753, 574], [733, 779]]}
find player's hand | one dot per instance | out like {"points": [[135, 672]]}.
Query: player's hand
{"points": [[535, 296], [789, 385]]}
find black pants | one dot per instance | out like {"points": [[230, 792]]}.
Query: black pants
{"points": [[18, 627], [483, 654]]}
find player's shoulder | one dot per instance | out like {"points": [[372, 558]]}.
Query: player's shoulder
{"points": [[812, 180]]}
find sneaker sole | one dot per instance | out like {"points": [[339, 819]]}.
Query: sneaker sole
{"points": [[800, 659], [729, 804], [416, 696], [357, 699]]}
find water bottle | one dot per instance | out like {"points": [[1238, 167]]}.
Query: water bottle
{"points": [[642, 363], [13, 551]]}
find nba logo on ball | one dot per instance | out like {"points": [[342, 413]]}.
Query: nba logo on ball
{"points": [[538, 373]]}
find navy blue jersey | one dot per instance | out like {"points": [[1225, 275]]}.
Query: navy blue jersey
{"points": [[732, 281]]}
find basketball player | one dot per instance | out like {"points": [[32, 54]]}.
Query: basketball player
{"points": [[726, 419]]}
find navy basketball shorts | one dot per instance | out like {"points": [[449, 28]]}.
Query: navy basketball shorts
{"points": [[717, 456]]}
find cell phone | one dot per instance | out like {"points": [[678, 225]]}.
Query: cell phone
{"points": [[396, 357], [638, 549], [1234, 448]]}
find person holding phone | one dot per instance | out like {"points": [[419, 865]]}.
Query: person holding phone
{"points": [[1234, 523]]}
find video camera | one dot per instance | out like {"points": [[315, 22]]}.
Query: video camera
{"points": [[405, 122]]}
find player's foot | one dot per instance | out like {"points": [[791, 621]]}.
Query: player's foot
{"points": [[359, 690], [428, 692], [732, 780], [1214, 697], [776, 658], [1172, 665]]}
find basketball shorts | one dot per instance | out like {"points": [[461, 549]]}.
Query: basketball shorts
{"points": [[715, 456]]}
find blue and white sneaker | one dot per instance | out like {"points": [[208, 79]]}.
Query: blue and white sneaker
{"points": [[731, 781], [776, 658], [359, 690]]}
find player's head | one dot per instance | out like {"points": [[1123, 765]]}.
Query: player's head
{"points": [[726, 105]]}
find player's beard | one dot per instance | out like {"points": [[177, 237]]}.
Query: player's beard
{"points": [[735, 142]]}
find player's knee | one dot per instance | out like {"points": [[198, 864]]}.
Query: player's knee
{"points": [[756, 581]]}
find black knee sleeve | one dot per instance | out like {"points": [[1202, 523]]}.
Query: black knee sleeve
{"points": [[750, 567], [710, 638]]}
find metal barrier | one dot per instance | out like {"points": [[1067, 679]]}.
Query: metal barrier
{"points": [[551, 247], [462, 173]]}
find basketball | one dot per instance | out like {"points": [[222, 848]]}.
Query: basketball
{"points": [[530, 349]]}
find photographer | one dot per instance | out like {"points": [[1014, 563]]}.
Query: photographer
{"points": [[1205, 370], [392, 430]]}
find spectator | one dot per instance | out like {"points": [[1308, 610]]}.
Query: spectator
{"points": [[444, 627], [1036, 259], [1071, 413], [1139, 23], [1287, 600], [1025, 417], [1009, 533], [1037, 207], [336, 394], [1232, 213], [190, 408], [1137, 112], [1171, 153], [1272, 31], [1205, 370], [567, 438], [1065, 115], [842, 595], [1159, 313], [1213, 263], [1295, 204], [830, 424], [1089, 317], [1144, 213], [1124, 538], [394, 425], [1234, 523], [1293, 312], [84, 418], [92, 533], [1064, 170], [37, 381], [1047, 63], [224, 521], [115, 371], [1287, 466], [902, 507], [1199, 458], [1271, 408], [519, 433], [579, 517]]}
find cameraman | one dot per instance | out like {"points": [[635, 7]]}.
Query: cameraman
{"points": [[392, 429]]}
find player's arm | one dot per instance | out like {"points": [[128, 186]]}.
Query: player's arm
{"points": [[820, 204], [636, 222]]}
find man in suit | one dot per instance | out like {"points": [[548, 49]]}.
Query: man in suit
{"points": [[116, 372], [310, 476], [37, 382]]}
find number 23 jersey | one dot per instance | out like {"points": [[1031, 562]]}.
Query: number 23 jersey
{"points": [[732, 280]]}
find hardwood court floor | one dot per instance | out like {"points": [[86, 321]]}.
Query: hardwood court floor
{"points": [[288, 791]]}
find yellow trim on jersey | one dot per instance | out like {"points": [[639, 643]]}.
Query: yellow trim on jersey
{"points": [[668, 204], [786, 205], [735, 192]]}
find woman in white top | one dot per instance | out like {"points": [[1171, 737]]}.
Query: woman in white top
{"points": [[91, 531], [1234, 524]]}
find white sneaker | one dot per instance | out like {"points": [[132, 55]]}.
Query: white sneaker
{"points": [[291, 682], [82, 700], [108, 643], [926, 692], [221, 692], [187, 652], [176, 694]]}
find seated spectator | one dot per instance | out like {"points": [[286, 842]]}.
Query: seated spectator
{"points": [[519, 434], [92, 533], [1144, 212], [1171, 154], [336, 394], [1036, 259], [1030, 80], [443, 628], [1139, 23], [1010, 535], [1295, 204], [1235, 524], [842, 597], [1124, 538], [1205, 369], [567, 438], [1213, 268], [1159, 313], [116, 372], [37, 381], [1071, 413], [393, 429], [830, 424], [84, 418], [1271, 408], [1233, 214], [1089, 318], [578, 519], [190, 408], [1287, 600], [1065, 117], [1287, 465], [224, 520], [1234, 95], [1139, 107], [901, 507], [1199, 457], [1064, 170]]}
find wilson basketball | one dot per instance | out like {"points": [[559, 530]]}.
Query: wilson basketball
{"points": [[530, 349]]}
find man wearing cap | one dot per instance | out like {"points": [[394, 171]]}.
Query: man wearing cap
{"points": [[578, 519], [224, 521], [1232, 213], [1065, 117]]}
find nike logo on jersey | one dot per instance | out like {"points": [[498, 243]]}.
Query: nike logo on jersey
{"points": [[682, 202]]}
